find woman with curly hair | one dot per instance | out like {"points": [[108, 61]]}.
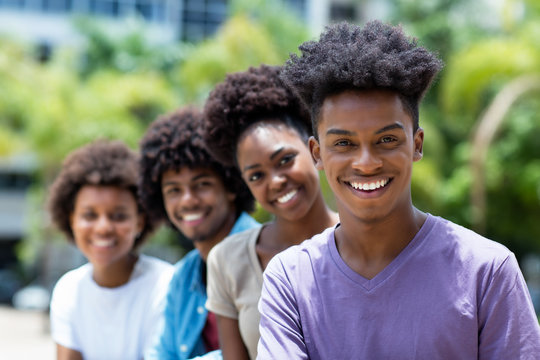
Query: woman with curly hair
{"points": [[389, 281], [182, 184], [109, 307], [254, 122]]}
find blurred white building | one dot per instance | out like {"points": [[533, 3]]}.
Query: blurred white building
{"points": [[50, 21]]}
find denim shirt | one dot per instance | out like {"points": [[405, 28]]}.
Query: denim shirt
{"points": [[185, 314]]}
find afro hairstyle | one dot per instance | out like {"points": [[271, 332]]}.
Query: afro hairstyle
{"points": [[174, 141], [348, 57], [245, 98], [102, 163]]}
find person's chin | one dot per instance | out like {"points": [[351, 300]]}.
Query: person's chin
{"points": [[199, 238]]}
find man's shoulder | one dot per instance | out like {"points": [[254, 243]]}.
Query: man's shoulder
{"points": [[459, 232], [188, 265], [467, 242]]}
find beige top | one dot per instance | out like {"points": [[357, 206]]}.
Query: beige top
{"points": [[235, 283]]}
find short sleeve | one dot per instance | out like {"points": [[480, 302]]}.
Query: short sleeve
{"points": [[280, 327], [62, 311], [508, 325], [220, 300]]}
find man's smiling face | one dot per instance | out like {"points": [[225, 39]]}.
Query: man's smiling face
{"points": [[197, 202], [366, 147]]}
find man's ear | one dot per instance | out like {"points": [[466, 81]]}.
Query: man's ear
{"points": [[418, 144], [315, 150]]}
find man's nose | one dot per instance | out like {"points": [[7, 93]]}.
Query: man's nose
{"points": [[367, 160], [189, 198]]}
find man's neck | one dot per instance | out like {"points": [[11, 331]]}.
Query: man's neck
{"points": [[204, 246], [368, 247]]}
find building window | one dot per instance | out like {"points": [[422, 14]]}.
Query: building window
{"points": [[201, 18], [57, 6], [342, 12], [150, 10]]}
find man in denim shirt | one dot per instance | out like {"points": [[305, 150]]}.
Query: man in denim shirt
{"points": [[183, 185]]}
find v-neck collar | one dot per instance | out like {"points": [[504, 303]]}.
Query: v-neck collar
{"points": [[371, 284]]}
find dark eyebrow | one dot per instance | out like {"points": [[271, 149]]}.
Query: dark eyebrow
{"points": [[274, 154], [390, 127], [340, 132], [198, 177], [352, 133], [201, 176], [121, 207], [249, 167]]}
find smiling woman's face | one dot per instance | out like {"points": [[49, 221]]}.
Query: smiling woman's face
{"points": [[105, 222], [367, 147], [277, 167]]}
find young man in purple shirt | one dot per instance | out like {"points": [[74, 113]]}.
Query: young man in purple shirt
{"points": [[389, 281]]}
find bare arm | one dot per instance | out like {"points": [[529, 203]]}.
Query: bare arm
{"points": [[64, 353], [230, 341]]}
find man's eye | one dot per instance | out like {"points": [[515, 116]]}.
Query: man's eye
{"points": [[201, 185], [171, 191], [387, 139], [342, 143]]}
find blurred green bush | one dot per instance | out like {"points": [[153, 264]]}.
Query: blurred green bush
{"points": [[119, 84]]}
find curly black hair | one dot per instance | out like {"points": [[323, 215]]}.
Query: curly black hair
{"points": [[171, 142], [245, 98], [377, 56], [102, 162]]}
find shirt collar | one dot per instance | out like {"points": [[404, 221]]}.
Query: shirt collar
{"points": [[244, 222]]}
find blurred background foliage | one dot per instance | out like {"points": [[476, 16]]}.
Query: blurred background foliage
{"points": [[119, 84]]}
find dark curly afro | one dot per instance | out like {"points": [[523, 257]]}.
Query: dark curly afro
{"points": [[172, 142], [377, 56], [103, 162], [245, 98]]}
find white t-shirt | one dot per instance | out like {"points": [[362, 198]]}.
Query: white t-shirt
{"points": [[110, 323]]}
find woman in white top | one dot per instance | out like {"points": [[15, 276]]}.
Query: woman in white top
{"points": [[110, 307], [254, 122]]}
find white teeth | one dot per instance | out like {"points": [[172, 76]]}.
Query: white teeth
{"points": [[192, 217], [370, 186], [287, 197], [103, 243]]}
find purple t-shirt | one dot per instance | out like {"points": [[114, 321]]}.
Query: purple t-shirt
{"points": [[450, 294]]}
